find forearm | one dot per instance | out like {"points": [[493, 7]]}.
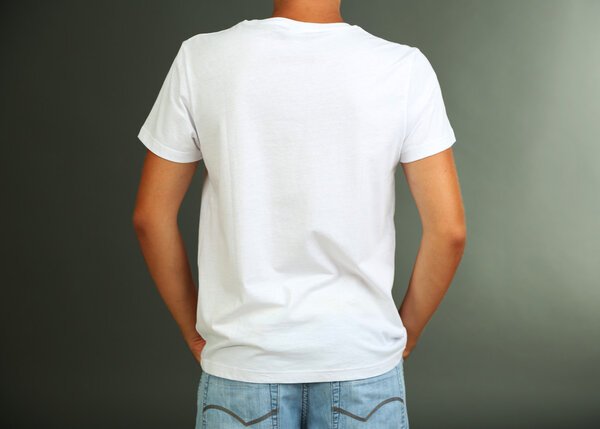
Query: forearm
{"points": [[166, 257], [437, 260]]}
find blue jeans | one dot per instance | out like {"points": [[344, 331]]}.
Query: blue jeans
{"points": [[370, 403]]}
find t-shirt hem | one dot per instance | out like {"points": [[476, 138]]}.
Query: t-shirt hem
{"points": [[428, 149], [303, 376], [164, 151]]}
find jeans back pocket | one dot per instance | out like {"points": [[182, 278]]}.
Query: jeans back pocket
{"points": [[375, 402], [228, 404]]}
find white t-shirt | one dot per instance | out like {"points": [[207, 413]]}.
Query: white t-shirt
{"points": [[301, 126]]}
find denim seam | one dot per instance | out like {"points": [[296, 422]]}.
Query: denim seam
{"points": [[335, 397], [275, 405], [204, 398]]}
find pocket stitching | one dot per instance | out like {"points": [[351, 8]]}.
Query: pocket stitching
{"points": [[234, 415], [364, 419]]}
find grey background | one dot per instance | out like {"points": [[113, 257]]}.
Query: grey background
{"points": [[86, 339]]}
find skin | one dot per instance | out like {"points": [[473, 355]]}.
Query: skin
{"points": [[163, 185], [433, 183]]}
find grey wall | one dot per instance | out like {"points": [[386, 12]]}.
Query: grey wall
{"points": [[515, 342], [86, 339]]}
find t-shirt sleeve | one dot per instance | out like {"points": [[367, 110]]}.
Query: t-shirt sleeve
{"points": [[169, 130], [428, 130]]}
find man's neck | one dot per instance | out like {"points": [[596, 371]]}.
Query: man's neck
{"points": [[309, 11]]}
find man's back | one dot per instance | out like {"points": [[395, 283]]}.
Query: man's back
{"points": [[301, 126]]}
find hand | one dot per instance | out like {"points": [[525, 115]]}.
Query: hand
{"points": [[410, 345], [196, 345]]}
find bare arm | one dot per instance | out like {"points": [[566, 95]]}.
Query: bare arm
{"points": [[162, 188], [435, 188]]}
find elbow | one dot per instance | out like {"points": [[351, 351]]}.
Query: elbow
{"points": [[454, 235], [138, 222], [141, 221], [152, 220], [458, 237]]}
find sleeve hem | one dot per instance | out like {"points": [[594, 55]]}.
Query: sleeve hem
{"points": [[428, 149], [164, 151]]}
